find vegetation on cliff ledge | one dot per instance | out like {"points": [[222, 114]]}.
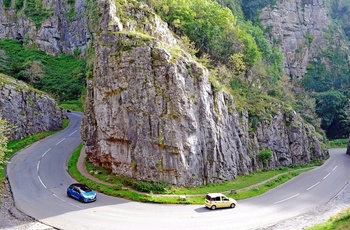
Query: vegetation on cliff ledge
{"points": [[61, 76]]}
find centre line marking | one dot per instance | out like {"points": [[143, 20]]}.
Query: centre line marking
{"points": [[334, 168], [45, 153], [326, 176], [73, 133], [287, 198], [313, 186], [67, 201], [42, 182], [60, 141]]}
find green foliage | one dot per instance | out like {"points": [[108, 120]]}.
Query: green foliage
{"points": [[340, 221], [62, 76], [35, 11], [76, 105], [305, 105], [265, 155], [242, 184], [19, 5], [4, 62], [15, 145], [251, 8], [320, 78], [330, 106], [328, 80], [6, 3], [309, 38], [5, 129], [234, 6], [253, 121], [340, 11], [156, 187], [338, 143], [257, 103], [211, 27]]}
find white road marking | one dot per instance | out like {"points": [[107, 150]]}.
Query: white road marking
{"points": [[326, 176], [334, 168], [77, 206], [313, 186], [73, 132], [42, 182], [37, 166], [287, 199], [45, 153], [60, 141]]}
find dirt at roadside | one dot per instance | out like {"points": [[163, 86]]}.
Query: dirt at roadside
{"points": [[11, 218]]}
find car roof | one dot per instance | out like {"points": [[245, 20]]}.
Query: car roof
{"points": [[78, 185], [215, 194]]}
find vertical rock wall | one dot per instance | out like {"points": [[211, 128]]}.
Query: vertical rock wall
{"points": [[65, 30], [29, 110], [151, 112], [297, 26]]}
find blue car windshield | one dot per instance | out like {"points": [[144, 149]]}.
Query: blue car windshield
{"points": [[85, 189]]}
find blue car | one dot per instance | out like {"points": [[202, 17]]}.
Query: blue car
{"points": [[81, 192]]}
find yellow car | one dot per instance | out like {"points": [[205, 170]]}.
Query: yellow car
{"points": [[218, 200]]}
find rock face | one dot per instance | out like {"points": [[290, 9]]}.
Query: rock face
{"points": [[297, 26], [152, 114], [64, 30], [29, 110]]}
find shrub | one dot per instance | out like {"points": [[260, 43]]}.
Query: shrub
{"points": [[265, 155]]}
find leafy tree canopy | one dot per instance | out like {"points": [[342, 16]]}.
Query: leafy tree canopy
{"points": [[213, 28]]}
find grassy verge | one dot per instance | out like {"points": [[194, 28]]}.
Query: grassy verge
{"points": [[74, 105], [338, 222], [17, 145], [246, 186], [338, 143]]}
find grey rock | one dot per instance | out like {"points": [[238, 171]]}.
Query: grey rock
{"points": [[57, 34], [293, 23], [152, 114], [31, 111]]}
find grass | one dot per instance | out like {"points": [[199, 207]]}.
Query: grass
{"points": [[74, 105], [17, 145], [339, 222], [338, 143], [246, 186], [62, 76]]}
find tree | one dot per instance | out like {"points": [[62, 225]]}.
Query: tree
{"points": [[4, 131], [330, 105]]}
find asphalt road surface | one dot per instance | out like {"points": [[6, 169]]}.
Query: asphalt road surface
{"points": [[38, 177]]}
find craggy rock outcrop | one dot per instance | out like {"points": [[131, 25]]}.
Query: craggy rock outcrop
{"points": [[29, 110], [63, 31], [297, 26], [152, 114]]}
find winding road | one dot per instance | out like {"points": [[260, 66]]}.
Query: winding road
{"points": [[38, 177]]}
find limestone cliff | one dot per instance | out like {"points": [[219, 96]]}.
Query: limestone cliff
{"points": [[29, 110], [53, 26], [152, 114], [297, 26]]}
